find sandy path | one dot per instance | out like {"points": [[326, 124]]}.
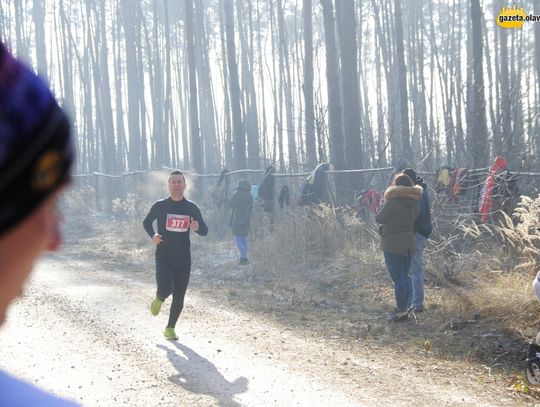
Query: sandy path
{"points": [[84, 332]]}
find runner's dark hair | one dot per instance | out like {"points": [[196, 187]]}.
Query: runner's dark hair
{"points": [[176, 172]]}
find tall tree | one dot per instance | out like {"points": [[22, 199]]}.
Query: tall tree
{"points": [[103, 93], [402, 82], [227, 125], [285, 75], [351, 89], [503, 83], [196, 154], [334, 100], [122, 149], [262, 87], [159, 153], [134, 124], [385, 47], [248, 86], [41, 49], [311, 153], [206, 103], [239, 134], [477, 134]]}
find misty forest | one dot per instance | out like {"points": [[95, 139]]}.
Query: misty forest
{"points": [[204, 84]]}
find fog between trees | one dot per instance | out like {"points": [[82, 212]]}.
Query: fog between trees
{"points": [[205, 84]]}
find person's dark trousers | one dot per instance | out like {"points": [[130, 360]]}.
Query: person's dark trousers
{"points": [[172, 277], [398, 267]]}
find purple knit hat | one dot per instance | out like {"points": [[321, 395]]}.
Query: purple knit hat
{"points": [[36, 150]]}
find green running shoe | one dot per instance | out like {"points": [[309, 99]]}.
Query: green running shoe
{"points": [[170, 334], [155, 307]]}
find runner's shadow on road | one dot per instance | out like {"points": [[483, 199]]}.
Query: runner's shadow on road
{"points": [[198, 375]]}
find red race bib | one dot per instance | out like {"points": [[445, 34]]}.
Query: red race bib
{"points": [[177, 223]]}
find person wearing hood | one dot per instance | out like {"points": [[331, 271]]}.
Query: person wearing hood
{"points": [[422, 231], [241, 204], [397, 216]]}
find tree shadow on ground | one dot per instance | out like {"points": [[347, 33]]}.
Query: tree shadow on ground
{"points": [[198, 375]]}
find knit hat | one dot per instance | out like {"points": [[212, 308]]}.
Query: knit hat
{"points": [[36, 150]]}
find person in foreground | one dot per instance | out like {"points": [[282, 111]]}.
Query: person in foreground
{"points": [[397, 217], [36, 155], [176, 216]]}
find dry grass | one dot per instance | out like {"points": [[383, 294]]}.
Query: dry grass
{"points": [[500, 285], [309, 236]]}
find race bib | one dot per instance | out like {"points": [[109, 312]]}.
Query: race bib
{"points": [[177, 223]]}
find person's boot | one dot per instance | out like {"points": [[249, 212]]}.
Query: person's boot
{"points": [[399, 316], [244, 261]]}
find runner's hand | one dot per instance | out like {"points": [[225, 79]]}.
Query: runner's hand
{"points": [[194, 225], [157, 239]]}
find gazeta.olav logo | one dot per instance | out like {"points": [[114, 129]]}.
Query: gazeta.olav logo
{"points": [[514, 17]]}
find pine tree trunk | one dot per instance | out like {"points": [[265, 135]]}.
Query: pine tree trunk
{"points": [[239, 135], [350, 91], [407, 152], [196, 155], [41, 49], [285, 73], [248, 87], [334, 101], [311, 153], [227, 132], [478, 133], [134, 124]]}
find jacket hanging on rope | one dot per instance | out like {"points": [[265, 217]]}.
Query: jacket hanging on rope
{"points": [[443, 178], [266, 189], [219, 194], [283, 198], [486, 195], [369, 200]]}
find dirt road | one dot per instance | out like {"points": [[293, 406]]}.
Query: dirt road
{"points": [[84, 331]]}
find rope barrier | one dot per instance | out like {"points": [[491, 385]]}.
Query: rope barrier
{"points": [[302, 174]]}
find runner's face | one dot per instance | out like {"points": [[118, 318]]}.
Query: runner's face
{"points": [[177, 185], [21, 247]]}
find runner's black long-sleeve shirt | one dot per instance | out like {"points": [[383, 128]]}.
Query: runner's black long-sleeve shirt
{"points": [[173, 224]]}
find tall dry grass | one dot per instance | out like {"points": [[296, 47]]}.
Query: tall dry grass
{"points": [[501, 284], [310, 236]]}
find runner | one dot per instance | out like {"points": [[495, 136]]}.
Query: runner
{"points": [[175, 216]]}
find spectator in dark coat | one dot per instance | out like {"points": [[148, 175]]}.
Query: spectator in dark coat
{"points": [[422, 230], [241, 205], [397, 217]]}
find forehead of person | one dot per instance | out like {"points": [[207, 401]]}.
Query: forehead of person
{"points": [[176, 178]]}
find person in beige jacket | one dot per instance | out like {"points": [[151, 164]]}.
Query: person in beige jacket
{"points": [[397, 216]]}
